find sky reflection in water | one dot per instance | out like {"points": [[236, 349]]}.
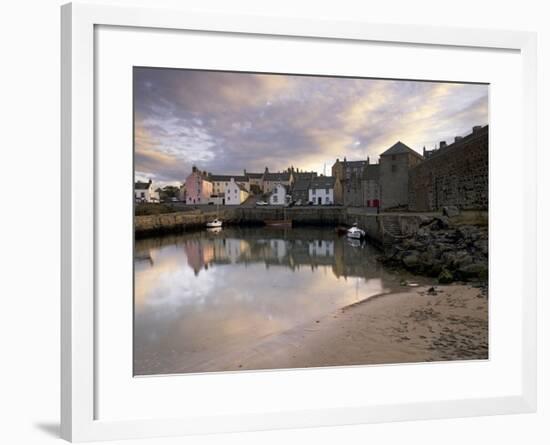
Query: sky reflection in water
{"points": [[198, 295]]}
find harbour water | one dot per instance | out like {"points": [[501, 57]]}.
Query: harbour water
{"points": [[202, 295]]}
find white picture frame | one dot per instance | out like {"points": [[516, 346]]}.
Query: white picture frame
{"points": [[79, 420]]}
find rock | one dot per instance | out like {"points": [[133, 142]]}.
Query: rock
{"points": [[425, 220], [451, 211], [477, 270], [440, 223], [411, 259], [434, 269], [482, 246], [459, 259], [445, 277]]}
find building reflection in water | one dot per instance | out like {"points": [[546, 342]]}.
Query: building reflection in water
{"points": [[199, 295]]}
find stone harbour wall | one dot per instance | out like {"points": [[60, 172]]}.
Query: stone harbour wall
{"points": [[146, 225]]}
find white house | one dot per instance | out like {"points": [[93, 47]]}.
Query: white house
{"points": [[278, 195], [321, 190], [235, 193], [144, 192]]}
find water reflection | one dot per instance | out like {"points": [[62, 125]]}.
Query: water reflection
{"points": [[202, 295]]}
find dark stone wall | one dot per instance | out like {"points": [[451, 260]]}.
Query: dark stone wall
{"points": [[394, 179], [457, 175]]}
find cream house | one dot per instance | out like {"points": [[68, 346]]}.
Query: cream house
{"points": [[220, 182]]}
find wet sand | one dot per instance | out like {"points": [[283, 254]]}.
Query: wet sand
{"points": [[405, 327]]}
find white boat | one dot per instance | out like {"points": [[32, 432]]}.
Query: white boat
{"points": [[353, 242], [355, 232], [214, 223]]}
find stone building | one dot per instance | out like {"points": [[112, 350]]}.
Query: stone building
{"points": [[454, 175], [370, 185], [395, 164], [348, 176]]}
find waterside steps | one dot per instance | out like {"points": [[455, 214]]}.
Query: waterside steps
{"points": [[391, 230]]}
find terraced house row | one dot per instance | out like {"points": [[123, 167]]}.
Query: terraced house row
{"points": [[454, 174]]}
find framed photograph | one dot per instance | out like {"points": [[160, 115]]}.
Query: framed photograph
{"points": [[274, 223]]}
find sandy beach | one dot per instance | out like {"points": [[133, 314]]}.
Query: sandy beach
{"points": [[414, 325]]}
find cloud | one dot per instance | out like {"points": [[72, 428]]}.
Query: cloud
{"points": [[226, 122]]}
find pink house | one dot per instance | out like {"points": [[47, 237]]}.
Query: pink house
{"points": [[197, 187]]}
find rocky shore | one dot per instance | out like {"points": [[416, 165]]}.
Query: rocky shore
{"points": [[443, 249]]}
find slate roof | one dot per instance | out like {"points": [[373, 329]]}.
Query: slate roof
{"points": [[142, 185], [355, 163], [301, 184], [322, 182], [255, 175], [400, 148], [304, 175], [285, 176], [227, 178]]}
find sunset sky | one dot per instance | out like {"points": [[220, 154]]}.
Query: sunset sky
{"points": [[224, 122]]}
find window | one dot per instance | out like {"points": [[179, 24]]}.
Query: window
{"points": [[327, 200], [274, 198], [143, 194], [326, 190]]}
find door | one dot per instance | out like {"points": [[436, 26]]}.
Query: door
{"points": [[320, 201]]}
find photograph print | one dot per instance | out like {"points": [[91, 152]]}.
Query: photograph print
{"points": [[290, 221]]}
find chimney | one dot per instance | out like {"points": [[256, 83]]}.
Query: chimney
{"points": [[442, 144], [244, 172], [345, 159], [194, 169], [150, 182], [266, 170], [337, 160], [476, 128], [458, 138], [424, 151]]}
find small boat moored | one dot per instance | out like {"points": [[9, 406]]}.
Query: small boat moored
{"points": [[214, 223], [355, 232]]}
